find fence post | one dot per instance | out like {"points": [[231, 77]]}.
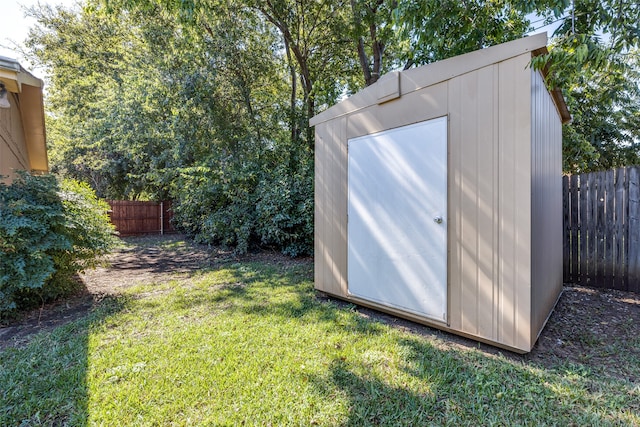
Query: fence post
{"points": [[162, 218]]}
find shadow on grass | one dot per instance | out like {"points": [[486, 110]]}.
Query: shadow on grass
{"points": [[429, 383], [441, 384], [450, 387], [45, 382], [161, 254], [285, 292]]}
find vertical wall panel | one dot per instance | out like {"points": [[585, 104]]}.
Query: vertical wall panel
{"points": [[331, 175], [546, 181], [340, 220], [469, 257], [331, 207], [320, 208], [514, 207], [472, 170], [13, 148], [455, 201]]}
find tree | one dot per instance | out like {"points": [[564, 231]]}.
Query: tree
{"points": [[196, 110], [208, 102], [594, 59], [435, 30], [372, 20], [87, 56]]}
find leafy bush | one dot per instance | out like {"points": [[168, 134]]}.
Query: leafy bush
{"points": [[284, 211], [49, 231], [248, 207]]}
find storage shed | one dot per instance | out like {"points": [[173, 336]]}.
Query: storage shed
{"points": [[438, 195]]}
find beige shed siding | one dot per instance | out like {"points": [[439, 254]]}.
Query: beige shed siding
{"points": [[13, 150], [473, 221], [547, 204], [488, 202], [514, 192], [331, 208], [504, 253], [414, 107], [32, 114]]}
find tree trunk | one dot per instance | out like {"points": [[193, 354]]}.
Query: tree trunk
{"points": [[293, 122], [301, 59], [370, 73]]}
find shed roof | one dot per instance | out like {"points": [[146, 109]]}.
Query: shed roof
{"points": [[397, 83], [20, 81]]}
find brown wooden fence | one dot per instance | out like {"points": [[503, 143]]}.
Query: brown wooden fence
{"points": [[132, 217], [602, 229]]}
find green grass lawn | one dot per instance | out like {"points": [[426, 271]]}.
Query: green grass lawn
{"points": [[250, 344]]}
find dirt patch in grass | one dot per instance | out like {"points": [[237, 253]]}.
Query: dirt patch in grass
{"points": [[595, 329], [139, 260]]}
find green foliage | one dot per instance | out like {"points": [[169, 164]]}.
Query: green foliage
{"points": [[284, 210], [208, 102], [87, 226], [244, 206], [198, 115], [31, 229], [434, 30], [48, 233], [594, 60]]}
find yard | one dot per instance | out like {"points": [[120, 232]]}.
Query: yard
{"points": [[177, 334]]}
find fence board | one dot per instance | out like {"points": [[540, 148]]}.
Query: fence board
{"points": [[622, 229], [602, 229], [610, 226], [135, 217], [634, 230], [575, 230], [566, 228], [591, 253], [584, 232]]}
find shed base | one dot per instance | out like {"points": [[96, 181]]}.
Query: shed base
{"points": [[428, 322]]}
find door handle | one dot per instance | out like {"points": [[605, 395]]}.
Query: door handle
{"points": [[438, 220]]}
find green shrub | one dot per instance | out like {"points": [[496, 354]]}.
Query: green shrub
{"points": [[284, 211], [49, 231], [248, 207]]}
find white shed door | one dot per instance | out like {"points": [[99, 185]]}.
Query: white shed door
{"points": [[397, 225]]}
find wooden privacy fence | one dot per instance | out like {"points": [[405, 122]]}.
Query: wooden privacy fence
{"points": [[132, 217], [602, 229]]}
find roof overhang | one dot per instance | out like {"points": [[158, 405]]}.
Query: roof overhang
{"points": [[29, 92], [398, 83], [556, 93]]}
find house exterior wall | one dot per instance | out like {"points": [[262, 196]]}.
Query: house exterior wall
{"points": [[32, 113], [546, 181], [13, 148], [502, 157]]}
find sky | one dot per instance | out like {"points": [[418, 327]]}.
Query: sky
{"points": [[14, 27]]}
